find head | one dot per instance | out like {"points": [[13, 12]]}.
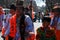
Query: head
{"points": [[19, 8], [56, 10], [46, 21], [12, 9], [26, 9], [1, 10]]}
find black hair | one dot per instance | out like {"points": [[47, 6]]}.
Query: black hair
{"points": [[26, 9], [22, 26], [22, 23], [47, 19], [13, 7]]}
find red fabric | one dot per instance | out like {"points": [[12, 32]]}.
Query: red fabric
{"points": [[13, 26], [58, 34], [32, 37], [6, 38], [3, 31]]}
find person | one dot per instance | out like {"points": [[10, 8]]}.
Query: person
{"points": [[56, 20], [45, 32], [18, 27], [40, 16], [1, 17], [5, 29], [2, 13], [25, 29]]}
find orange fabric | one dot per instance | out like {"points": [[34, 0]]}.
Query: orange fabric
{"points": [[3, 31], [6, 38], [32, 37], [58, 34], [13, 26]]}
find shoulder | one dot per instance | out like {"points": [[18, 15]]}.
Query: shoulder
{"points": [[27, 16], [13, 17]]}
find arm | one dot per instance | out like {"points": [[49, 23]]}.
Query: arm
{"points": [[7, 31], [30, 26], [7, 27]]}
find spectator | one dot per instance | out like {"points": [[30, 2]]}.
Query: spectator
{"points": [[56, 20], [45, 32]]}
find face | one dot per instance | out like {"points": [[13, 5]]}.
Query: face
{"points": [[19, 10], [55, 13], [12, 11], [1, 10], [46, 24]]}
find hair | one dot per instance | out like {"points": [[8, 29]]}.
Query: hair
{"points": [[22, 25], [13, 7], [47, 19], [26, 9]]}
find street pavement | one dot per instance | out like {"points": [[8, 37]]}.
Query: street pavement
{"points": [[36, 25]]}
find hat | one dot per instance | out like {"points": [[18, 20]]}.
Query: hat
{"points": [[57, 5], [56, 8]]}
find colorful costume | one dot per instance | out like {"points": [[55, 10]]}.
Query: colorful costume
{"points": [[13, 30], [5, 24], [45, 34], [1, 21]]}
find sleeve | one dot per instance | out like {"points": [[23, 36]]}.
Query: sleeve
{"points": [[4, 20], [30, 26], [8, 28], [7, 31]]}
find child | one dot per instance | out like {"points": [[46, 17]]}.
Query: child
{"points": [[45, 32]]}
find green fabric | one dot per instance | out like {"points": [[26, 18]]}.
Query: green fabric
{"points": [[43, 35]]}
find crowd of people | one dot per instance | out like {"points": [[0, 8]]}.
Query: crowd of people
{"points": [[18, 25]]}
